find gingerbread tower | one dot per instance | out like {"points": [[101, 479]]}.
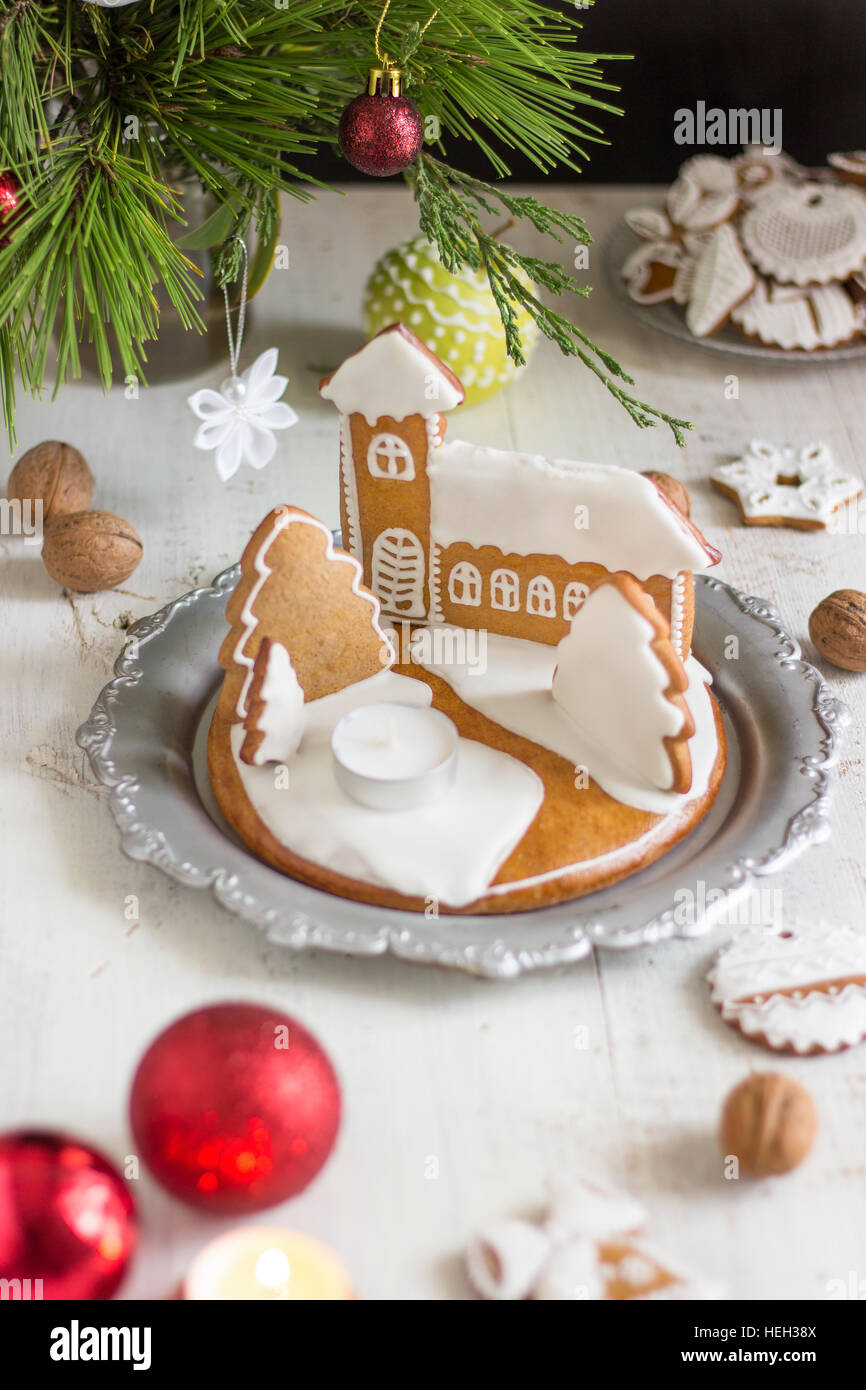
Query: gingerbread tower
{"points": [[390, 395]]}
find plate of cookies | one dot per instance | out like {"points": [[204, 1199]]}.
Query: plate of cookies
{"points": [[754, 255], [514, 719]]}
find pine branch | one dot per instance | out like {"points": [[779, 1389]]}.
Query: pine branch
{"points": [[103, 110], [449, 204]]}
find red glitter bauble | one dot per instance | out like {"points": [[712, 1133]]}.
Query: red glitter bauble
{"points": [[235, 1107], [9, 200], [381, 134], [67, 1220]]}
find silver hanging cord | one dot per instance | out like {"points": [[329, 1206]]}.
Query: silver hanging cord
{"points": [[235, 347]]}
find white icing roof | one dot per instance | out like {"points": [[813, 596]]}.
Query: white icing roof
{"points": [[526, 504], [393, 374]]}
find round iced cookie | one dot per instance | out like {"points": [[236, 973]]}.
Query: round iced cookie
{"points": [[455, 315]]}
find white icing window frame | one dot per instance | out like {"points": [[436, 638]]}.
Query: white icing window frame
{"points": [[541, 597], [508, 582], [468, 576], [574, 596], [394, 448], [397, 571]]}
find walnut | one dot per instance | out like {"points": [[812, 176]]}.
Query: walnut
{"points": [[87, 551], [838, 629], [56, 475], [673, 489], [769, 1123]]}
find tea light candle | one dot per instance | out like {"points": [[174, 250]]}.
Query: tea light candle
{"points": [[393, 757], [268, 1264]]}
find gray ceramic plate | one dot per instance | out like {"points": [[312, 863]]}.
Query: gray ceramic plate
{"points": [[669, 318], [145, 740]]}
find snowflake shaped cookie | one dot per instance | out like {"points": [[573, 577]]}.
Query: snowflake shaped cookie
{"points": [[783, 486]]}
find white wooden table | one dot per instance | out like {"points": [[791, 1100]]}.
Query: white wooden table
{"points": [[462, 1098]]}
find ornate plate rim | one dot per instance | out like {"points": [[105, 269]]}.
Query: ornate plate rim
{"points": [[372, 931]]}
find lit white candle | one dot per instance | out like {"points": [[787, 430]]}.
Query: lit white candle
{"points": [[266, 1263], [393, 757]]}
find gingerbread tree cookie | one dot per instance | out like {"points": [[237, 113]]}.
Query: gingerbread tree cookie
{"points": [[722, 280], [299, 590], [620, 678], [274, 720]]}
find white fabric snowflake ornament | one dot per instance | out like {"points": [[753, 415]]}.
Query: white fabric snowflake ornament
{"points": [[239, 420]]}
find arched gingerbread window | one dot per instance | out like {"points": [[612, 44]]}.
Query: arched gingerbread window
{"points": [[505, 590], [464, 584], [541, 597], [389, 456], [398, 572], [573, 598]]}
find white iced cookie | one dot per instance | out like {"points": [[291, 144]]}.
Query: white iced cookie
{"points": [[799, 990], [722, 280], [620, 680], [505, 1258], [757, 170], [711, 173], [796, 318], [783, 486], [588, 1207], [807, 233], [850, 165], [275, 718], [659, 270], [650, 224], [572, 1272], [585, 1249], [693, 208]]}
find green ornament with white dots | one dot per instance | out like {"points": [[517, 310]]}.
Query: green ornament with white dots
{"points": [[454, 315]]}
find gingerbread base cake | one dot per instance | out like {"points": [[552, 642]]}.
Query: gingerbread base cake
{"points": [[580, 838], [543, 606]]}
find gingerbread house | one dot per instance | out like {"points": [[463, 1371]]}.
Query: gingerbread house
{"points": [[487, 538]]}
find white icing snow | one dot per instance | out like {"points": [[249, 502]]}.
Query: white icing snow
{"points": [[448, 851], [515, 691], [390, 376], [584, 512]]}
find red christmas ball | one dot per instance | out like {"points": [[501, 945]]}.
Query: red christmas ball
{"points": [[235, 1107], [9, 200], [67, 1220], [381, 134]]}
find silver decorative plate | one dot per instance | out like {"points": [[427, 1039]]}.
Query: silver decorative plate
{"points": [[146, 738], [669, 318]]}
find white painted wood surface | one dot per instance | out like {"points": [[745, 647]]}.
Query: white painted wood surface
{"points": [[490, 1081]]}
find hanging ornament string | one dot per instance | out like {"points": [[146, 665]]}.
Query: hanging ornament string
{"points": [[239, 420], [235, 347], [382, 131], [382, 58]]}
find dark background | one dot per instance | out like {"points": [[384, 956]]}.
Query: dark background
{"points": [[806, 56]]}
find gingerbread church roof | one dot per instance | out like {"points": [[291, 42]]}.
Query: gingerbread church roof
{"points": [[593, 513], [393, 374]]}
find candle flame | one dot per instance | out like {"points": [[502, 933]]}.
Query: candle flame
{"points": [[274, 1271]]}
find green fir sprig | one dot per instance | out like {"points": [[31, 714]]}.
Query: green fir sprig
{"points": [[104, 111], [450, 204]]}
